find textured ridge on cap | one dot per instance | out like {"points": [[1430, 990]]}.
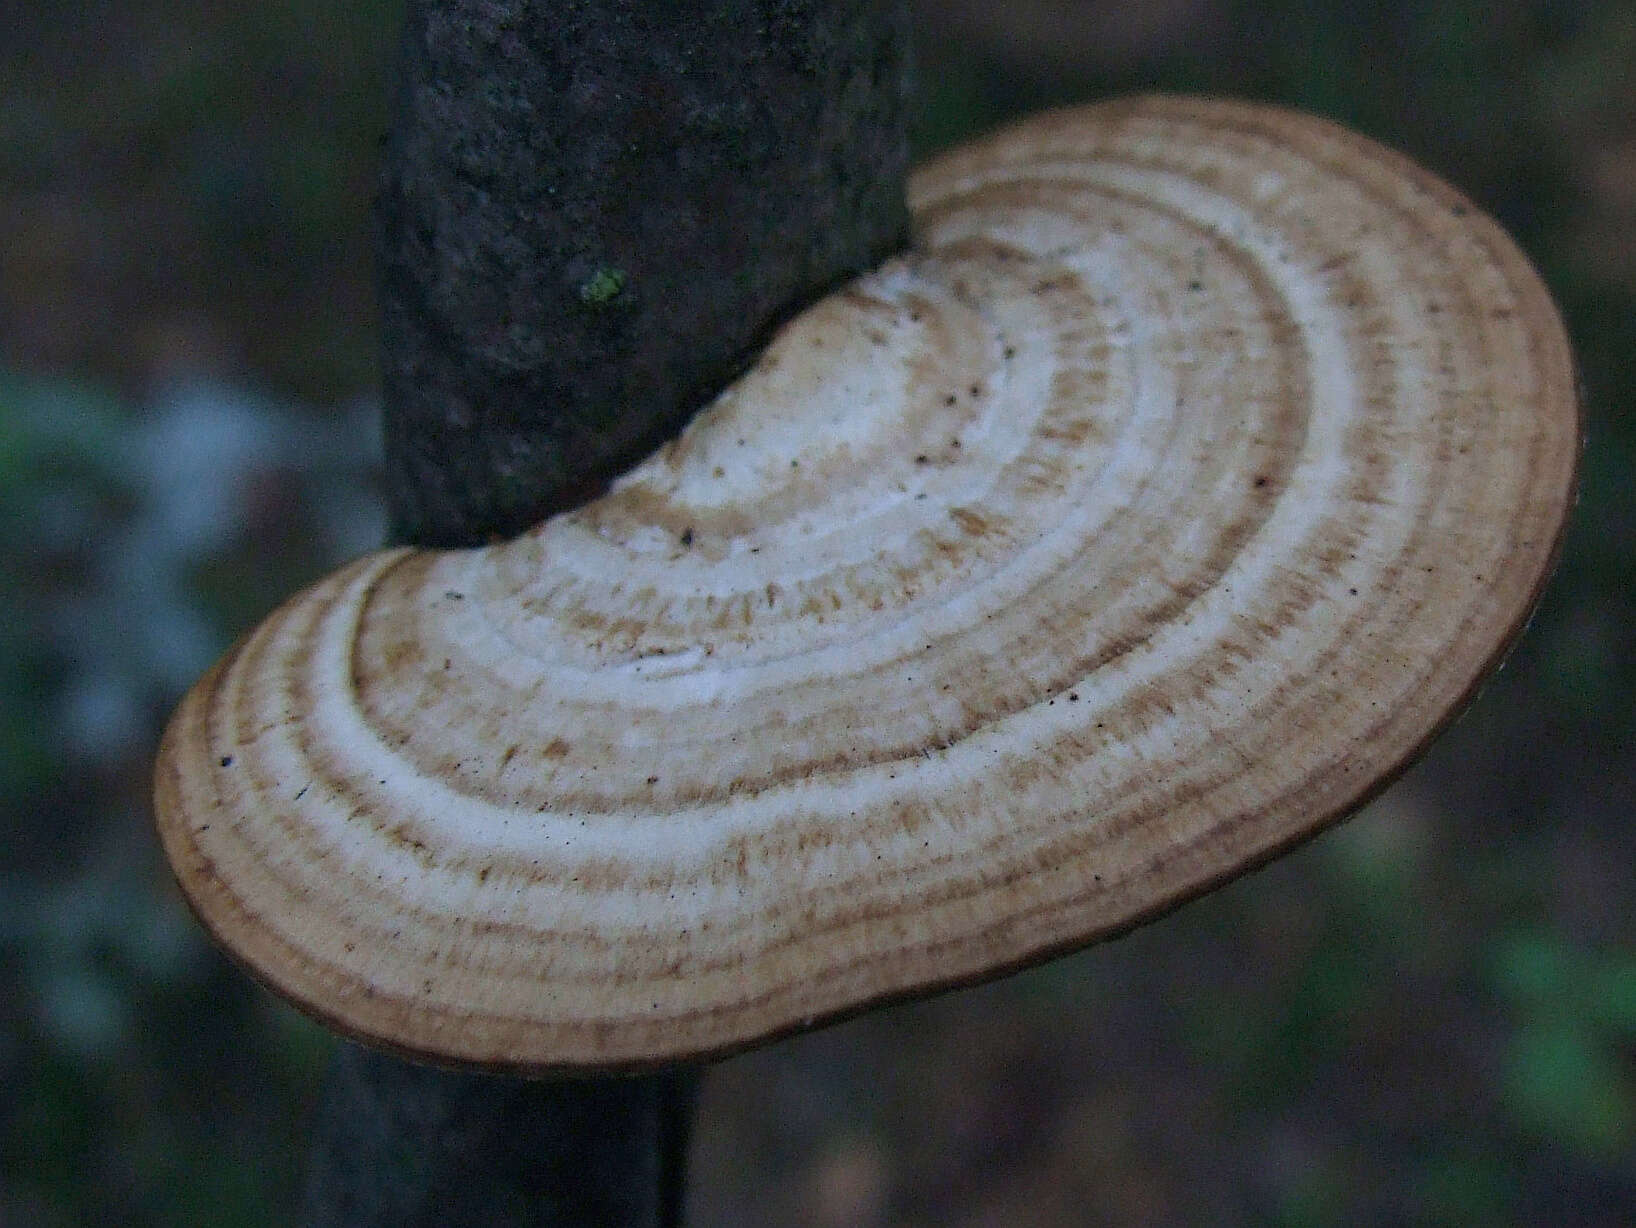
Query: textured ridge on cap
{"points": [[1157, 508]]}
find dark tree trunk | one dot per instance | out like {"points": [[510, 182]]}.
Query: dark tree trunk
{"points": [[404, 1146], [591, 216]]}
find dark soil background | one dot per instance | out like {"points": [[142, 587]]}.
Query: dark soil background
{"points": [[1426, 1017]]}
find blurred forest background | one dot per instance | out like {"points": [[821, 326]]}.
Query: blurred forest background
{"points": [[1427, 1016]]}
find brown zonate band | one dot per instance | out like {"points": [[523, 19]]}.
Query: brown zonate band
{"points": [[1190, 472]]}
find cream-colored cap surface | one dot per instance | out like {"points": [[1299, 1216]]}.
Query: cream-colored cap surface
{"points": [[1186, 476]]}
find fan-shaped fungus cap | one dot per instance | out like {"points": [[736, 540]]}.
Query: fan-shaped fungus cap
{"points": [[1155, 510]]}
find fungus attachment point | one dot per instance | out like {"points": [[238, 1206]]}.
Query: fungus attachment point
{"points": [[1187, 475]]}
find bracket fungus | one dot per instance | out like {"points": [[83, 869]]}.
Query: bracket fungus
{"points": [[1188, 474]]}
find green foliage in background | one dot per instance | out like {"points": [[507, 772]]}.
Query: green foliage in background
{"points": [[1567, 1078], [58, 478]]}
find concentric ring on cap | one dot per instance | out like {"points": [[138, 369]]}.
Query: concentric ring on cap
{"points": [[1189, 473]]}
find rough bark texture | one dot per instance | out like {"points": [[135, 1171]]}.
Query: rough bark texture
{"points": [[593, 213]]}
